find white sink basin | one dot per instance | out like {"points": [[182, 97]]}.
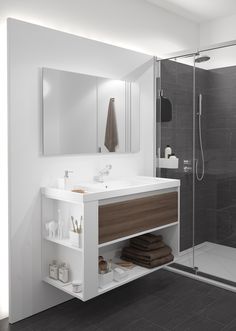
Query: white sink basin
{"points": [[93, 191], [111, 185]]}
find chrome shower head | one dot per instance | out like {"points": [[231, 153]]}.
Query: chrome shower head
{"points": [[203, 58]]}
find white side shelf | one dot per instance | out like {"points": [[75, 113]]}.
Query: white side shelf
{"points": [[172, 163], [64, 242], [134, 273], [62, 195], [63, 287], [137, 234]]}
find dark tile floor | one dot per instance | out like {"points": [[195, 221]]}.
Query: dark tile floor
{"points": [[160, 301]]}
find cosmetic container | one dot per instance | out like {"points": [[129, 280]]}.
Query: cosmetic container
{"points": [[76, 286], [53, 270], [120, 274], [63, 273]]}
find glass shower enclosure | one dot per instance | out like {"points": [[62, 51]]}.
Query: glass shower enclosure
{"points": [[196, 117]]}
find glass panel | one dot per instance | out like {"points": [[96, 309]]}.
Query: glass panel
{"points": [[215, 181], [175, 106]]}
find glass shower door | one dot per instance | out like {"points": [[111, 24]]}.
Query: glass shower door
{"points": [[176, 87], [215, 180], [201, 130]]}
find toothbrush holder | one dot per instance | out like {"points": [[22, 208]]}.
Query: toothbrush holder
{"points": [[74, 238]]}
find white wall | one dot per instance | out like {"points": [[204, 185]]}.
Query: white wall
{"points": [[134, 24], [30, 48], [218, 31], [3, 175]]}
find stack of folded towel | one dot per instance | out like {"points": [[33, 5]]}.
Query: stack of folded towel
{"points": [[148, 251]]}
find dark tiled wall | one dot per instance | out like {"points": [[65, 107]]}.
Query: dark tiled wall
{"points": [[221, 154], [215, 196], [177, 85]]}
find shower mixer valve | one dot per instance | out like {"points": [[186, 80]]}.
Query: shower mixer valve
{"points": [[187, 166]]}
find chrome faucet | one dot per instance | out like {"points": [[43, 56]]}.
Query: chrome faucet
{"points": [[104, 172], [67, 172]]}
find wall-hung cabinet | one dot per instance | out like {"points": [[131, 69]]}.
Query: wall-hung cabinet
{"points": [[107, 224]]}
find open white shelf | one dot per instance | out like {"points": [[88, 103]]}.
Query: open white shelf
{"points": [[63, 242], [63, 287], [134, 273], [137, 234], [172, 163]]}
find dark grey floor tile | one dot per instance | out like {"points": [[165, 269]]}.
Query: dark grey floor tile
{"points": [[223, 310], [160, 301], [199, 323], [176, 289], [143, 305], [213, 291], [193, 302], [231, 326], [142, 325], [167, 316], [88, 328], [119, 320]]}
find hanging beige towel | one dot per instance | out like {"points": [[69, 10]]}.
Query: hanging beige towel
{"points": [[111, 135]]}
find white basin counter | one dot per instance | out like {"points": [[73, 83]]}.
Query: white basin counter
{"points": [[110, 189]]}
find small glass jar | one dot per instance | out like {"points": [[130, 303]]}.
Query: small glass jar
{"points": [[76, 286]]}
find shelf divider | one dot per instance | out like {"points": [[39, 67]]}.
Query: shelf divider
{"points": [[137, 234]]}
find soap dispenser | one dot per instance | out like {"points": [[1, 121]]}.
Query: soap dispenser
{"points": [[168, 151], [67, 185]]}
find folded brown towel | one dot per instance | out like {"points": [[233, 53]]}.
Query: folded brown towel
{"points": [[149, 247], [151, 264], [146, 239], [146, 255]]}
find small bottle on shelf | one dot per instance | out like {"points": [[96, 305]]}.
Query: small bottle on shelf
{"points": [[63, 273], [53, 270]]}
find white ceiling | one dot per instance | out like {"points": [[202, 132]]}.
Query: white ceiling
{"points": [[198, 10]]}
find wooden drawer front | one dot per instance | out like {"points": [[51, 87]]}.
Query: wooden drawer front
{"points": [[125, 218]]}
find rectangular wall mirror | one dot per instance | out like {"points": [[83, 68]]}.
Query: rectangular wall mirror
{"points": [[89, 114]]}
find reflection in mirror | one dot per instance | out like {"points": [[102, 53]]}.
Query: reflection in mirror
{"points": [[89, 114]]}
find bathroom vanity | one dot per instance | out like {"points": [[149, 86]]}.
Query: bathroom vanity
{"points": [[110, 213]]}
